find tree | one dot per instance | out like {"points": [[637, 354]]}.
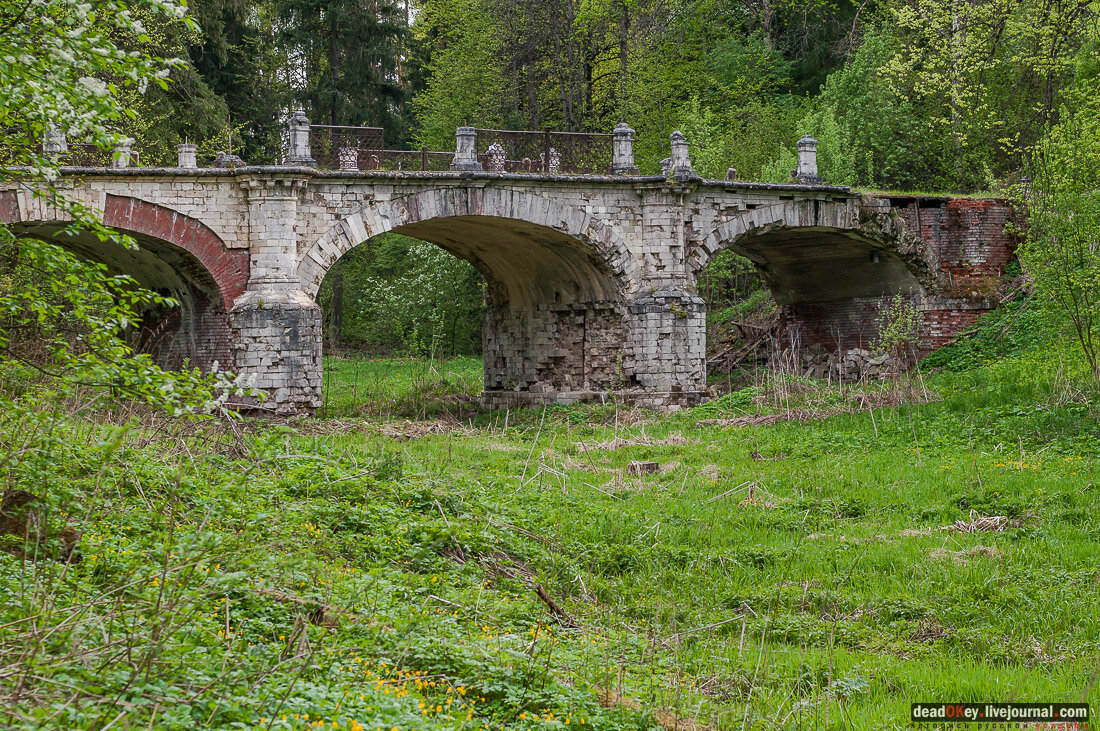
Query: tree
{"points": [[404, 295], [235, 55], [1061, 250], [62, 68], [461, 48], [345, 56], [987, 77]]}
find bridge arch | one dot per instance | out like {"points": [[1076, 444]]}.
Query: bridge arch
{"points": [[811, 251], [558, 281], [514, 237], [830, 265], [177, 255]]}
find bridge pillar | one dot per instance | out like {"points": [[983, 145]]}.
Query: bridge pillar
{"points": [[277, 325], [667, 347], [553, 353]]}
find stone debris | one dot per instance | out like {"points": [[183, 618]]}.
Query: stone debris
{"points": [[856, 364], [226, 160], [638, 467]]}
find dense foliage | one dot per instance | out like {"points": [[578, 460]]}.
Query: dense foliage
{"points": [[931, 94], [399, 295], [1062, 246], [815, 560], [805, 555]]}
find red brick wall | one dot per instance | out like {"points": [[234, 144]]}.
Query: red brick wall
{"points": [[9, 207], [968, 241], [204, 336]]}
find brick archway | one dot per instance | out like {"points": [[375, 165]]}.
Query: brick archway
{"points": [[833, 267], [176, 254], [228, 267], [772, 235]]}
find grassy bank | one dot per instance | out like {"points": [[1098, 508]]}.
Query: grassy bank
{"points": [[804, 556]]}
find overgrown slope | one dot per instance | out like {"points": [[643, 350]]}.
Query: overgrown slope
{"points": [[778, 570]]}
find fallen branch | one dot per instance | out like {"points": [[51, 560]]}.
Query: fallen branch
{"points": [[563, 617]]}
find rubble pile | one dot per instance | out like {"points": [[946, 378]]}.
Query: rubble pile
{"points": [[856, 364]]}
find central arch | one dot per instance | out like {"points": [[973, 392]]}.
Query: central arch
{"points": [[558, 282]]}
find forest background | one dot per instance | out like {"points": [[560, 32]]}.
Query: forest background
{"points": [[931, 95]]}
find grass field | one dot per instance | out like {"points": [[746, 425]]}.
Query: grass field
{"points": [[392, 387], [804, 556]]}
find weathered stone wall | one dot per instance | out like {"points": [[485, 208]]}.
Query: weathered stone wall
{"points": [[196, 334], [278, 348], [966, 243], [553, 353], [666, 352]]}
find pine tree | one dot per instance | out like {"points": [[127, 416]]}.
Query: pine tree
{"points": [[345, 56]]}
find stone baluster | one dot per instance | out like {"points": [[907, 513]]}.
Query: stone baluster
{"points": [[622, 151], [496, 155], [120, 155], [300, 152], [555, 161], [807, 162], [680, 161], [187, 156], [465, 150], [54, 142]]}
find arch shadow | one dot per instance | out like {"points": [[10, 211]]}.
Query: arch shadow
{"points": [[831, 266]]}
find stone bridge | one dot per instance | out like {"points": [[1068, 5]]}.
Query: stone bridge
{"points": [[591, 279]]}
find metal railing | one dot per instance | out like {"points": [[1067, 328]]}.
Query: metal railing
{"points": [[513, 151], [363, 148], [86, 155], [76, 154], [519, 151], [344, 148]]}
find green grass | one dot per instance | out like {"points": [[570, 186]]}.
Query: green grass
{"points": [[794, 575], [399, 387]]}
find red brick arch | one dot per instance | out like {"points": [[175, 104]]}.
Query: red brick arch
{"points": [[227, 267]]}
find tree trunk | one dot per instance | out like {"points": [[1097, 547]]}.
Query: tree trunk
{"points": [[624, 33], [333, 64]]}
